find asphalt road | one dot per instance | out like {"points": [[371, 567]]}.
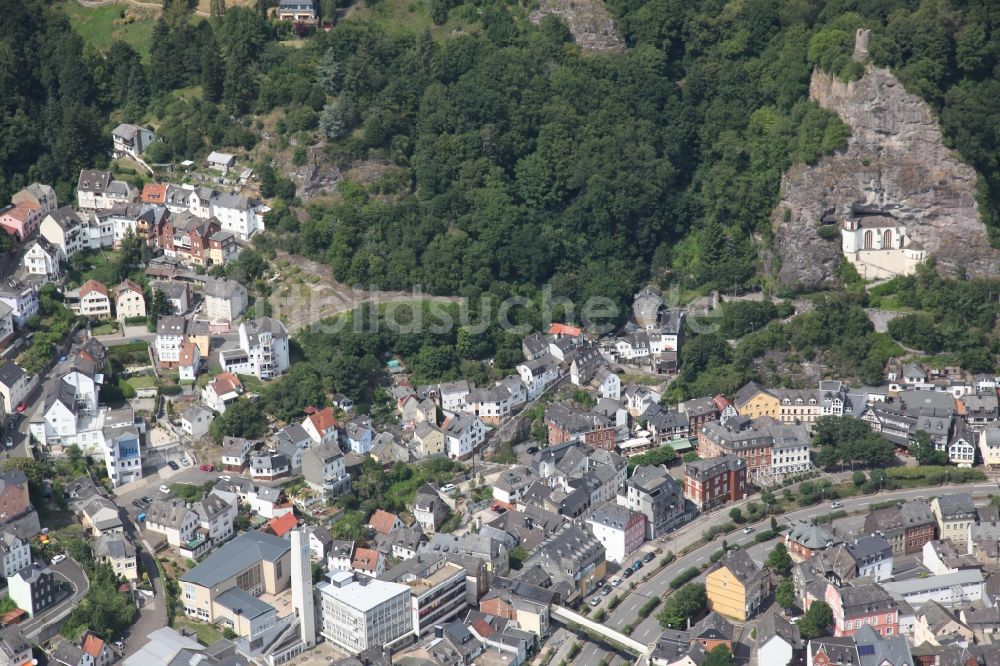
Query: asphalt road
{"points": [[71, 572], [648, 630]]}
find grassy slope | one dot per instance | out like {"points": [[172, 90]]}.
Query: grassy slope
{"points": [[99, 26]]}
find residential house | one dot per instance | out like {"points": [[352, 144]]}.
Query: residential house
{"points": [[269, 465], [6, 327], [699, 411], [493, 552], [384, 522], [22, 299], [239, 215], [63, 229], [225, 299], [15, 553], [609, 385], [122, 454], [130, 140], [100, 516], [619, 529], [263, 350], [655, 494], [942, 557], [15, 385], [511, 483], [323, 469], [320, 542], [714, 481], [989, 447], [463, 433], [584, 362], [754, 401], [737, 587], [129, 301], [538, 373], [176, 293], [936, 625], [492, 405], [94, 300], [170, 331], [429, 439], [118, 552], [640, 398], [368, 562], [41, 258], [962, 447], [907, 526], [572, 557], [954, 514], [171, 517], [215, 517], [38, 195], [566, 423], [340, 556], [803, 539], [358, 435], [321, 426], [225, 389], [980, 410], [298, 11], [534, 346], [777, 639], [188, 362], [429, 510], [235, 452], [35, 588], [95, 190], [872, 557], [452, 395], [864, 605]]}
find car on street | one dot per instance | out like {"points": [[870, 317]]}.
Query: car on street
{"points": [[119, 644], [185, 462], [649, 558], [8, 442], [138, 504], [747, 530], [146, 499], [58, 558], [165, 489], [448, 488], [532, 450], [836, 505], [606, 590], [172, 465], [595, 600], [21, 407], [225, 477], [616, 581], [628, 572], [636, 565], [206, 468]]}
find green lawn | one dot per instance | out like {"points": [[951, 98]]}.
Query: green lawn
{"points": [[206, 633], [402, 17], [99, 26], [108, 328], [142, 382]]}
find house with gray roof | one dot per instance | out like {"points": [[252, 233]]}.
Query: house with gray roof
{"points": [[119, 553], [804, 539], [653, 492], [225, 298], [571, 556]]}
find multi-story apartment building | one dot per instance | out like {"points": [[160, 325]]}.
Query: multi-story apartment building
{"points": [[15, 553], [855, 607], [129, 301], [714, 481], [263, 350], [655, 494], [357, 613], [907, 526], [566, 423], [619, 529], [437, 589], [170, 330], [737, 587], [954, 514]]}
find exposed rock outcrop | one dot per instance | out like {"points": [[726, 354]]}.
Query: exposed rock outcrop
{"points": [[895, 159], [589, 22]]}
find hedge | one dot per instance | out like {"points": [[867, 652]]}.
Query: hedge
{"points": [[684, 577]]}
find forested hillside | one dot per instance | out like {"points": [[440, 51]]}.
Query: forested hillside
{"points": [[510, 157]]}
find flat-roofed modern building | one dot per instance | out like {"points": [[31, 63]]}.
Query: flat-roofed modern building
{"points": [[437, 589], [357, 613]]}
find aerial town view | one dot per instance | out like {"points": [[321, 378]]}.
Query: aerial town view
{"points": [[500, 333]]}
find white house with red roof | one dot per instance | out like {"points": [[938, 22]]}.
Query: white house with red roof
{"points": [[321, 426], [129, 301], [384, 522], [189, 361], [94, 300], [224, 390]]}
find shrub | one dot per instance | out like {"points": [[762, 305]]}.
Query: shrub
{"points": [[683, 577]]}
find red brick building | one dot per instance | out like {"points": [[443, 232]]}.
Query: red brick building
{"points": [[566, 423], [715, 481]]}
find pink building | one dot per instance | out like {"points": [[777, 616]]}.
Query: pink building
{"points": [[855, 607], [21, 220]]}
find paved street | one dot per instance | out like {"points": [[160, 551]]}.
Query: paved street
{"points": [[658, 586], [69, 571]]}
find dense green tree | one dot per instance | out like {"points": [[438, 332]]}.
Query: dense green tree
{"points": [[815, 621], [784, 594], [687, 602], [720, 655], [241, 419], [925, 452], [779, 561]]}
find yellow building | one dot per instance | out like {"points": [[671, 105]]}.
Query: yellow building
{"points": [[737, 588], [755, 401]]}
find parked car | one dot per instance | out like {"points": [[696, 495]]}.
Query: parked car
{"points": [[58, 558], [165, 489], [225, 477], [448, 488], [207, 468], [174, 466], [138, 504], [636, 565], [606, 590], [146, 499], [185, 462], [532, 450], [119, 644], [616, 581], [649, 558], [8, 442], [628, 572], [595, 600], [21, 407]]}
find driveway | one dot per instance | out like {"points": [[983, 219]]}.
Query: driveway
{"points": [[153, 613], [70, 571]]}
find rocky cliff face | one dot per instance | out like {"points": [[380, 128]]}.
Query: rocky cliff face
{"points": [[895, 159]]}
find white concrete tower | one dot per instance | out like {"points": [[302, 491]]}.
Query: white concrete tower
{"points": [[302, 587]]}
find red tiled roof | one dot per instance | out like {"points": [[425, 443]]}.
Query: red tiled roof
{"points": [[154, 193], [323, 420], [21, 211], [365, 559], [564, 329], [187, 353], [282, 525], [92, 285], [382, 521], [128, 285], [226, 382], [92, 644], [483, 628]]}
